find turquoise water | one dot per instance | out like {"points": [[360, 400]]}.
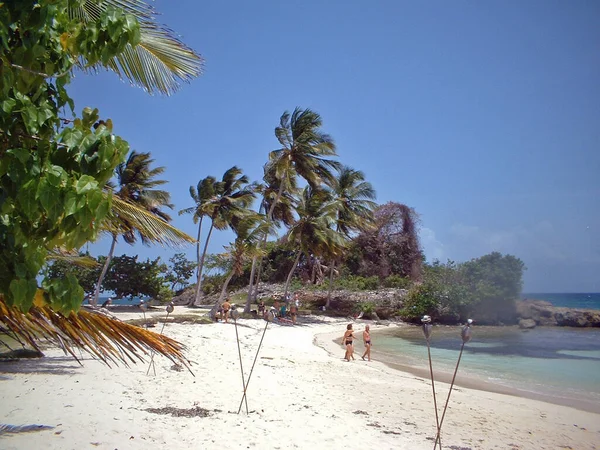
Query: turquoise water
{"points": [[581, 300], [121, 301], [562, 363]]}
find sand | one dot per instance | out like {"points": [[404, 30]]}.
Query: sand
{"points": [[301, 395]]}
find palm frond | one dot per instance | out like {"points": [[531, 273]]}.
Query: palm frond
{"points": [[71, 257], [94, 332], [126, 216], [160, 62]]}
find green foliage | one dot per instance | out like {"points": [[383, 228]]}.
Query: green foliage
{"points": [[87, 276], [165, 294], [52, 170], [357, 283], [397, 282], [181, 271], [422, 299], [127, 277], [484, 289]]}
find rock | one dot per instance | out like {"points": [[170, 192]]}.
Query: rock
{"points": [[544, 314], [526, 324], [577, 317]]}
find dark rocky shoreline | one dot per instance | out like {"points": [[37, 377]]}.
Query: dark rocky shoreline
{"points": [[532, 313]]}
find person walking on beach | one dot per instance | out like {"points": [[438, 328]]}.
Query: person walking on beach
{"points": [[347, 340], [294, 313], [367, 343], [226, 307]]}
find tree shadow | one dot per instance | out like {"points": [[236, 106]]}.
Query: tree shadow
{"points": [[51, 365]]}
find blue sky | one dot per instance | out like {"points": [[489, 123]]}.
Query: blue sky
{"points": [[483, 116]]}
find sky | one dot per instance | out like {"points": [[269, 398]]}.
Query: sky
{"points": [[483, 116]]}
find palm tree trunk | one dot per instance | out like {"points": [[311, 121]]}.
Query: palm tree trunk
{"points": [[251, 284], [198, 269], [331, 269], [258, 274], [289, 277], [201, 265], [104, 270], [252, 295], [213, 310]]}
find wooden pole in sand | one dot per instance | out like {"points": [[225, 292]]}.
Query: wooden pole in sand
{"points": [[234, 315], [169, 310], [269, 318], [426, 320], [465, 334]]}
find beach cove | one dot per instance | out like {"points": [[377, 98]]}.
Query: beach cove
{"points": [[301, 395]]}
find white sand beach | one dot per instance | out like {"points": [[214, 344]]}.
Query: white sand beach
{"points": [[301, 395]]}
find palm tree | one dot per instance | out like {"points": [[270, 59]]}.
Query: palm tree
{"points": [[353, 199], [201, 195], [248, 232], [229, 203], [282, 214], [312, 233], [159, 63], [136, 181], [305, 151]]}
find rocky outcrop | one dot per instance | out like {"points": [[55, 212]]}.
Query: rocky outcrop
{"points": [[526, 324], [544, 314], [386, 302]]}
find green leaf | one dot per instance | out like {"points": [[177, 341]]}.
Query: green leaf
{"points": [[71, 206], [28, 201], [22, 292], [86, 183], [20, 153], [8, 105], [50, 199]]}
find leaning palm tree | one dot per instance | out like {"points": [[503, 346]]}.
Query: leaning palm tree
{"points": [[230, 201], [136, 183], [201, 195], [249, 232], [305, 152], [312, 233], [282, 215], [159, 63], [353, 199]]}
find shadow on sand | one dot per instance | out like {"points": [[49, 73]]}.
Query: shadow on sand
{"points": [[52, 365]]}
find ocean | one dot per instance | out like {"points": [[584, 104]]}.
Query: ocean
{"points": [[570, 300], [556, 364], [121, 301]]}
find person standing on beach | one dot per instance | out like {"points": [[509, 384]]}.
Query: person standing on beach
{"points": [[348, 340], [226, 307], [294, 313], [367, 343]]}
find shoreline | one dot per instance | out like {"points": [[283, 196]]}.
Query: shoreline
{"points": [[464, 381], [300, 396]]}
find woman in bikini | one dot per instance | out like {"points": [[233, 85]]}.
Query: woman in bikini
{"points": [[347, 340], [367, 342]]}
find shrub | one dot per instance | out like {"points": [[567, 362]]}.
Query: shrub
{"points": [[422, 299], [396, 281]]}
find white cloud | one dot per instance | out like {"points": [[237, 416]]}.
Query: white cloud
{"points": [[433, 248]]}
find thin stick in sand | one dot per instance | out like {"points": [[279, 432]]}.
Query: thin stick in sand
{"points": [[270, 317], [426, 320], [169, 310], [465, 334], [234, 315]]}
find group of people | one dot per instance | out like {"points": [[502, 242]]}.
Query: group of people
{"points": [[348, 341], [282, 310]]}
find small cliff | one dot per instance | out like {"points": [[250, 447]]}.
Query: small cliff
{"points": [[544, 314]]}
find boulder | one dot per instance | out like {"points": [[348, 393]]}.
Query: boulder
{"points": [[577, 317], [527, 324]]}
